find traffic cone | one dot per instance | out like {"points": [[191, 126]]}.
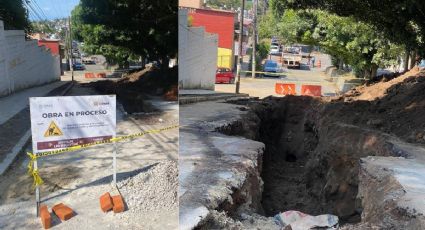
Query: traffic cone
{"points": [[319, 64]]}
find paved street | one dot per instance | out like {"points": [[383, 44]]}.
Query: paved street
{"points": [[263, 87]]}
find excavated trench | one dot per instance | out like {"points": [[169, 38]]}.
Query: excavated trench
{"points": [[310, 164]]}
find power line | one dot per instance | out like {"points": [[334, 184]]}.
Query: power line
{"points": [[34, 11], [40, 9]]}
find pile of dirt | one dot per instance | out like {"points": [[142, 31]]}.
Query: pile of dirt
{"points": [[152, 190], [376, 89], [395, 107], [135, 87]]}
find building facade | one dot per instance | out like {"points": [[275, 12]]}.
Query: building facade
{"points": [[197, 55], [221, 23]]}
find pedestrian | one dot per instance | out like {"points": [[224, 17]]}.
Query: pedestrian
{"points": [[313, 59]]}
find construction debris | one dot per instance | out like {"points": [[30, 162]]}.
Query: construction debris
{"points": [[106, 202], [63, 212], [153, 189], [46, 218], [301, 221]]}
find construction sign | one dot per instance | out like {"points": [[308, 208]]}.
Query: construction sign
{"points": [[62, 122], [285, 89], [53, 130], [311, 90]]}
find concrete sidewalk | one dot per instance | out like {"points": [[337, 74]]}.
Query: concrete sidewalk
{"points": [[15, 126], [213, 167], [13, 104]]}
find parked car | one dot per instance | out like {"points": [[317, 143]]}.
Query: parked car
{"points": [[274, 50], [271, 67], [224, 75], [78, 66]]}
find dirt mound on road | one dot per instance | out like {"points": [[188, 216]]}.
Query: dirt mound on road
{"points": [[396, 107], [376, 90], [134, 88]]}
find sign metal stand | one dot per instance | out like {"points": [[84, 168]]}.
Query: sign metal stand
{"points": [[114, 165], [37, 191]]}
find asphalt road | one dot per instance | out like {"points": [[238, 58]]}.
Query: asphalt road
{"points": [[265, 86]]}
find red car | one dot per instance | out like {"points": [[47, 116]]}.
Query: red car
{"points": [[224, 75]]}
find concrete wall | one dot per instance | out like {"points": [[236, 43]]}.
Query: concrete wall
{"points": [[24, 64], [197, 56]]}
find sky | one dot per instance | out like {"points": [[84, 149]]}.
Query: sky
{"points": [[52, 9]]}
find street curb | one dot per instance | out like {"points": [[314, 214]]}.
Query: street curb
{"points": [[191, 98], [20, 145]]}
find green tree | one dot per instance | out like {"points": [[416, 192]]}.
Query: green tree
{"points": [[266, 25], [42, 27], [137, 27], [400, 21], [14, 15], [346, 39]]}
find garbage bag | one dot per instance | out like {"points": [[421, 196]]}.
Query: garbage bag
{"points": [[301, 221]]}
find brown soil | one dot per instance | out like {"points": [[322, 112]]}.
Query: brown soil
{"points": [[134, 88], [396, 107], [313, 145]]}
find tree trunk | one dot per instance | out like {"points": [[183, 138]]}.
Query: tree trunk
{"points": [[143, 62], [165, 61], [340, 64], [413, 59], [373, 71], [406, 60]]}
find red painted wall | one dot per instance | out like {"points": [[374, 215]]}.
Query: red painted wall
{"points": [[52, 45], [216, 22]]}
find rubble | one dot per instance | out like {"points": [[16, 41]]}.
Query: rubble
{"points": [[137, 86], [153, 189]]}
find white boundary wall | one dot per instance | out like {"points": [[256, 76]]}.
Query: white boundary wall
{"points": [[23, 63], [197, 56]]}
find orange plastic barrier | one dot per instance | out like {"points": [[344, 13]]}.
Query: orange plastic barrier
{"points": [[101, 75], [285, 89], [89, 75], [311, 90]]}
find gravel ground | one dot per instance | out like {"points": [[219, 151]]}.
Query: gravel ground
{"points": [[152, 190]]}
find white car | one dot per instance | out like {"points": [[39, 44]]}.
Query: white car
{"points": [[274, 50]]}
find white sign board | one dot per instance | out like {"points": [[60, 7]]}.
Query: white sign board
{"points": [[61, 122]]}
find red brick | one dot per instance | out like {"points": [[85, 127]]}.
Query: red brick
{"points": [[106, 202], [63, 212], [46, 219], [118, 203]]}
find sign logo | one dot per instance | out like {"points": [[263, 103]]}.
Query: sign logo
{"points": [[311, 90], [285, 89], [53, 130]]}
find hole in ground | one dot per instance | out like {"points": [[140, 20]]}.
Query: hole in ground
{"points": [[295, 173], [289, 131]]}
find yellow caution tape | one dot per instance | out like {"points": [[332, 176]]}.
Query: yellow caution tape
{"points": [[32, 172], [33, 156]]}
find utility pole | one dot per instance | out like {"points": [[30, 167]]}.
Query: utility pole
{"points": [[254, 35], [239, 66], [70, 50]]}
